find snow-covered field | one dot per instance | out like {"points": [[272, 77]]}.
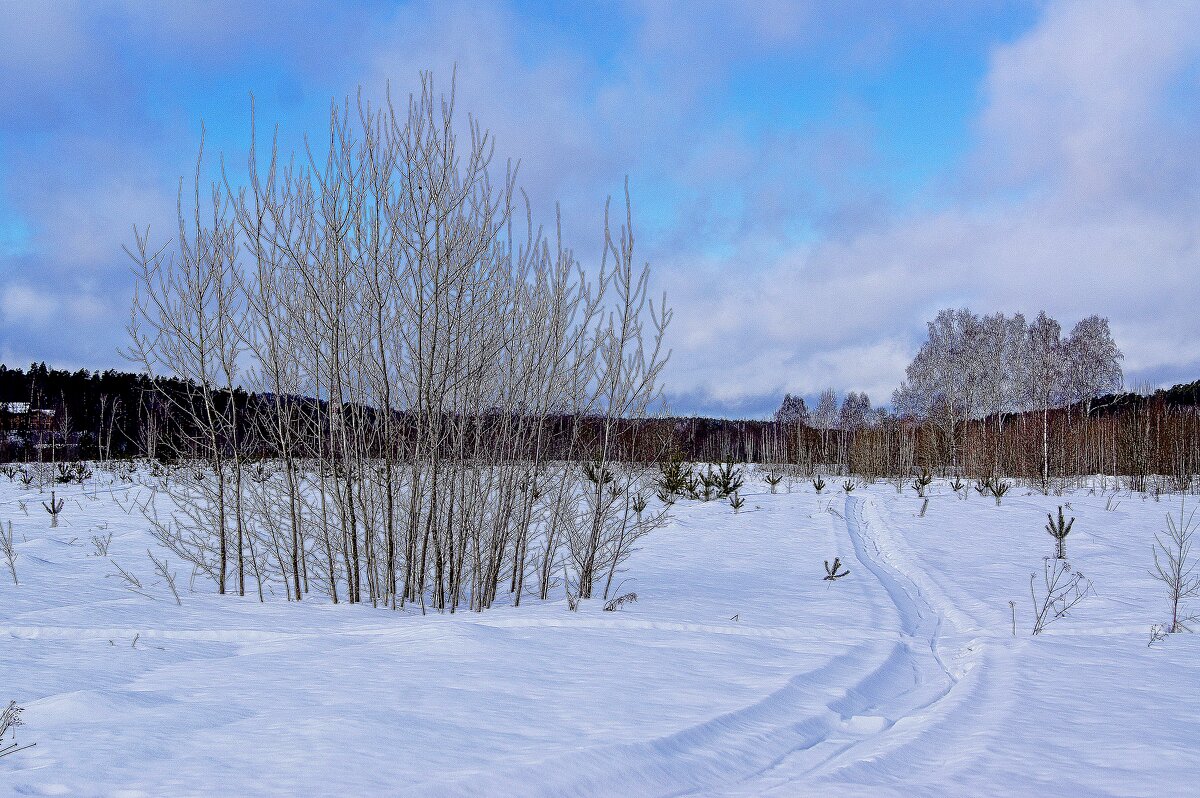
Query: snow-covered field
{"points": [[739, 671]]}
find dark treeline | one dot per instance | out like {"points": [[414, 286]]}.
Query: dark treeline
{"points": [[113, 414]]}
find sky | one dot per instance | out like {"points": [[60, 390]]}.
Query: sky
{"points": [[811, 181]]}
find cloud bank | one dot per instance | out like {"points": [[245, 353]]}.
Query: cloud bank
{"points": [[810, 185]]}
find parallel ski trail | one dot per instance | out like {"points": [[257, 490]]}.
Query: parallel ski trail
{"points": [[898, 702]]}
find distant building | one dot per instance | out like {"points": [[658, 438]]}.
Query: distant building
{"points": [[20, 417]]}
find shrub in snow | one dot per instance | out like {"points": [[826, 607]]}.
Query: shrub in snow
{"points": [[736, 502], [1063, 589], [10, 719], [620, 601], [10, 552], [773, 481], [819, 483], [1175, 567]]}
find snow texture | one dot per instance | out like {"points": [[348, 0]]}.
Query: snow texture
{"points": [[739, 671]]}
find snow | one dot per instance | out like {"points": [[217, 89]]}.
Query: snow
{"points": [[739, 671]]}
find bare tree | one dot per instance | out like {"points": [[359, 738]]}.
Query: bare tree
{"points": [[1175, 567], [436, 379], [1045, 378]]}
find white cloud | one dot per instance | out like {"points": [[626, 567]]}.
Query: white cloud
{"points": [[22, 305]]}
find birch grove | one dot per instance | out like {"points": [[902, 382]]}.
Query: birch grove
{"points": [[419, 338]]}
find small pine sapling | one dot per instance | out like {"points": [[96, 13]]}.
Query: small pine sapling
{"points": [[957, 485], [54, 507], [674, 476], [81, 472], [998, 489], [831, 571], [1059, 530], [773, 480], [984, 486], [736, 502], [819, 483], [639, 505], [597, 474], [849, 486], [922, 482], [728, 479]]}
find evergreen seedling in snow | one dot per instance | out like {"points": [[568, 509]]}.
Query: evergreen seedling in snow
{"points": [[736, 502], [998, 490], [674, 477], [849, 486], [1059, 530], [597, 474], [819, 483], [54, 507], [922, 482], [727, 479], [639, 505], [773, 480], [831, 571]]}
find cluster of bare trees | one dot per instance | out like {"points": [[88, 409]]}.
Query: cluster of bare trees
{"points": [[414, 331]]}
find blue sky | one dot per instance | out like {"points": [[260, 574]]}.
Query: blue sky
{"points": [[812, 180]]}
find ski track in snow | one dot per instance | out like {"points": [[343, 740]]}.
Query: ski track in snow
{"points": [[904, 700], [783, 741], [902, 679]]}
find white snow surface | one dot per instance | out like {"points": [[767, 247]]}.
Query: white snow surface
{"points": [[739, 670]]}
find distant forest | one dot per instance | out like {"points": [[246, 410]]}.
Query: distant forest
{"points": [[115, 414]]}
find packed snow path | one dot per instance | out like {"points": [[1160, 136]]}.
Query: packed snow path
{"points": [[738, 672]]}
